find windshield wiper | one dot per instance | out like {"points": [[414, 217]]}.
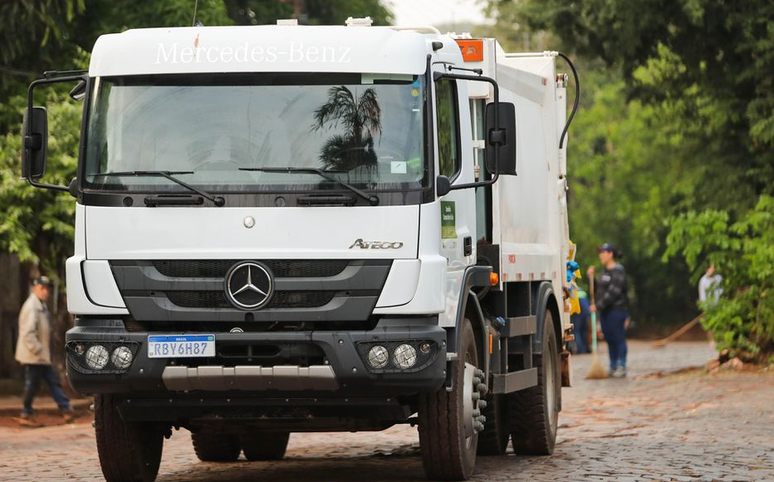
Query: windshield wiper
{"points": [[218, 201], [372, 200]]}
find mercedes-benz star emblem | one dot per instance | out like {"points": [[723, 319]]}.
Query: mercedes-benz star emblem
{"points": [[249, 285]]}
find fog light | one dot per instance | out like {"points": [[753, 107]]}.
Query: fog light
{"points": [[424, 347], [97, 357], [378, 356], [121, 357], [80, 349], [405, 356]]}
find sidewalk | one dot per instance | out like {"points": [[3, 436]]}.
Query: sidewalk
{"points": [[10, 406]]}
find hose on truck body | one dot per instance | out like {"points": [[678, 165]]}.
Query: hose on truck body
{"points": [[577, 98]]}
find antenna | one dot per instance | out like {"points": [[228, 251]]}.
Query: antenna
{"points": [[196, 7]]}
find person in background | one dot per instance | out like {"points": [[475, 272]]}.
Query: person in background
{"points": [[33, 351], [709, 285], [709, 293], [580, 323], [612, 305]]}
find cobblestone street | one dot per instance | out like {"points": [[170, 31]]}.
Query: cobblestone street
{"points": [[658, 424]]}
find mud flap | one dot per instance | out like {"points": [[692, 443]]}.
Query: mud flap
{"points": [[566, 368]]}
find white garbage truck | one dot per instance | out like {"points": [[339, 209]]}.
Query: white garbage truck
{"points": [[284, 229]]}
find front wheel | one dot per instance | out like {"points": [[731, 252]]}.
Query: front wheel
{"points": [[449, 420], [534, 412], [128, 451]]}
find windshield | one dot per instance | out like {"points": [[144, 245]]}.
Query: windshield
{"points": [[364, 130]]}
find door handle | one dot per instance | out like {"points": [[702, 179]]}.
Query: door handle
{"points": [[467, 246]]}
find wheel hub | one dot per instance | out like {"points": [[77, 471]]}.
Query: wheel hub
{"points": [[473, 392]]}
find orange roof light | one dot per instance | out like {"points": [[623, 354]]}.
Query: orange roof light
{"points": [[472, 50], [493, 279]]}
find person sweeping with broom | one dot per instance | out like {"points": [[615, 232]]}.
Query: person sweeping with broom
{"points": [[611, 304]]}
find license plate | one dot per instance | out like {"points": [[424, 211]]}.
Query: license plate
{"points": [[181, 346]]}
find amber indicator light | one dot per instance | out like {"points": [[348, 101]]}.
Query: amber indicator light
{"points": [[472, 50]]}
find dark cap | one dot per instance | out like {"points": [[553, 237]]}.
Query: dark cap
{"points": [[42, 280], [608, 247]]}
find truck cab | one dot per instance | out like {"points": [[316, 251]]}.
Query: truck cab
{"points": [[284, 229]]}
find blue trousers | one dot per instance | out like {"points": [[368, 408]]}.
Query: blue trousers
{"points": [[580, 325], [615, 335], [33, 375]]}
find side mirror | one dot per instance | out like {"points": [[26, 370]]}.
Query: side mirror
{"points": [[442, 185], [35, 147], [502, 141]]}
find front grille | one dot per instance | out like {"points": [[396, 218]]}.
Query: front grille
{"points": [[280, 299], [280, 268], [182, 294]]}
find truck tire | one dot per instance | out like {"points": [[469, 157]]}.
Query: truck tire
{"points": [[128, 451], [534, 412], [447, 437], [494, 439], [215, 447], [265, 446]]}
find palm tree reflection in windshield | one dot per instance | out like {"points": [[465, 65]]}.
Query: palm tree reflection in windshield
{"points": [[361, 121]]}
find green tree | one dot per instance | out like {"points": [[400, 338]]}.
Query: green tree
{"points": [[314, 12], [718, 51], [37, 224], [113, 16], [742, 320]]}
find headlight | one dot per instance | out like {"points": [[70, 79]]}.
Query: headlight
{"points": [[97, 357], [405, 356], [121, 357], [378, 356]]}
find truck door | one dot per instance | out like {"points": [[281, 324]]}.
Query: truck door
{"points": [[455, 161]]}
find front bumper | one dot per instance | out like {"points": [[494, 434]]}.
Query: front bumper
{"points": [[339, 371]]}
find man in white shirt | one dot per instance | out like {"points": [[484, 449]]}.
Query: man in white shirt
{"points": [[709, 286]]}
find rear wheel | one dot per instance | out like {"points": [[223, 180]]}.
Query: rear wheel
{"points": [[448, 423], [215, 446], [128, 451], [534, 412], [494, 439], [265, 446]]}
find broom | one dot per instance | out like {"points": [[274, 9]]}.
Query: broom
{"points": [[595, 371]]}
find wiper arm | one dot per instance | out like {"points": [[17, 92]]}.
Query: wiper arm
{"points": [[372, 200], [218, 201]]}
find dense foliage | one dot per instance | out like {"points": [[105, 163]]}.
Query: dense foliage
{"points": [[742, 319], [37, 224], [677, 130]]}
